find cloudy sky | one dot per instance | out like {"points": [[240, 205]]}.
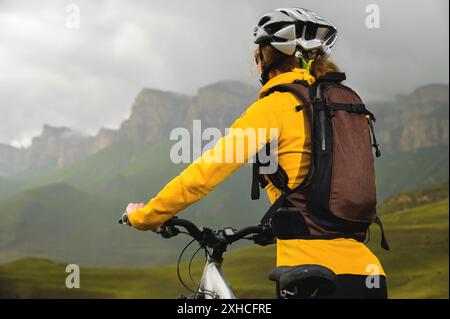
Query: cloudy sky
{"points": [[86, 77]]}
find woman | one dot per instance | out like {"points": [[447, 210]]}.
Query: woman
{"points": [[293, 46]]}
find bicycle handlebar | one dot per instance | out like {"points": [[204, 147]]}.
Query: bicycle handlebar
{"points": [[192, 229], [250, 230], [210, 237]]}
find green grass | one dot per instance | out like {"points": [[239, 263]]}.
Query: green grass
{"points": [[58, 214], [60, 222], [418, 262], [136, 171], [71, 214], [417, 267]]}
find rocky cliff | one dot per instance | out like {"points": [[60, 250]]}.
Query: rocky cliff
{"points": [[153, 115], [412, 121], [11, 159], [55, 147]]}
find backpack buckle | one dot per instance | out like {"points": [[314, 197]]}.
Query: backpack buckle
{"points": [[357, 108], [316, 102], [331, 110]]}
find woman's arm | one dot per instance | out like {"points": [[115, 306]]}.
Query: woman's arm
{"points": [[204, 174]]}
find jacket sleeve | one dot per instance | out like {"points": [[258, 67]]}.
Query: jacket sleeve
{"points": [[205, 173]]}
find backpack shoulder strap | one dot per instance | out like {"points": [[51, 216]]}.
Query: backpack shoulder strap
{"points": [[325, 80], [332, 77], [280, 179], [300, 89]]}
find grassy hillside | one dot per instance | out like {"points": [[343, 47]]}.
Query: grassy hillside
{"points": [[417, 266], [72, 213], [8, 186], [418, 262], [60, 222], [98, 173], [77, 206], [406, 200], [127, 170], [406, 171]]}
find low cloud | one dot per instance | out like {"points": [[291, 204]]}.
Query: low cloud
{"points": [[87, 78]]}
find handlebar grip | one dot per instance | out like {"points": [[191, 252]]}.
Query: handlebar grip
{"points": [[246, 231], [124, 220]]}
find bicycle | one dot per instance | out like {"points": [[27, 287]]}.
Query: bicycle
{"points": [[304, 282]]}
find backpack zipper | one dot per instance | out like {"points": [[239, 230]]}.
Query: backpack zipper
{"points": [[318, 94], [322, 130]]}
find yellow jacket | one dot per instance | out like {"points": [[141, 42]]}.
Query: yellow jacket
{"points": [[277, 110]]}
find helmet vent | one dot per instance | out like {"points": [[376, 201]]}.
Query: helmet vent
{"points": [[285, 27]]}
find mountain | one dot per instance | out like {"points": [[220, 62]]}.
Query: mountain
{"points": [[410, 170], [411, 122], [153, 116], [414, 121], [419, 197], [94, 191], [219, 104], [10, 160], [55, 147], [73, 178], [417, 265]]}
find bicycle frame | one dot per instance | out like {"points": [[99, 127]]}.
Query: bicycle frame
{"points": [[213, 284]]}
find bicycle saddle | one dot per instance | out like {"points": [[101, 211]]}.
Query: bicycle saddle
{"points": [[305, 281]]}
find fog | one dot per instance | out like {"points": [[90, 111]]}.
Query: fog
{"points": [[87, 77]]}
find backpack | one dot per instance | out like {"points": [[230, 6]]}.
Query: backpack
{"points": [[337, 198]]}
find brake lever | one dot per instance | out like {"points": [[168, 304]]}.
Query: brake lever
{"points": [[167, 231]]}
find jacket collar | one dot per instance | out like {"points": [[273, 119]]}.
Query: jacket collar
{"points": [[286, 78]]}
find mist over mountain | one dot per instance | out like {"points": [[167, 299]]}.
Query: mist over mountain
{"points": [[414, 121], [411, 122], [62, 195], [153, 115], [55, 147]]}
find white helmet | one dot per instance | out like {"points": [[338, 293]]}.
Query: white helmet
{"points": [[288, 29]]}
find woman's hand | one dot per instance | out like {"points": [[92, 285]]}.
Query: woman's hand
{"points": [[131, 207]]}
